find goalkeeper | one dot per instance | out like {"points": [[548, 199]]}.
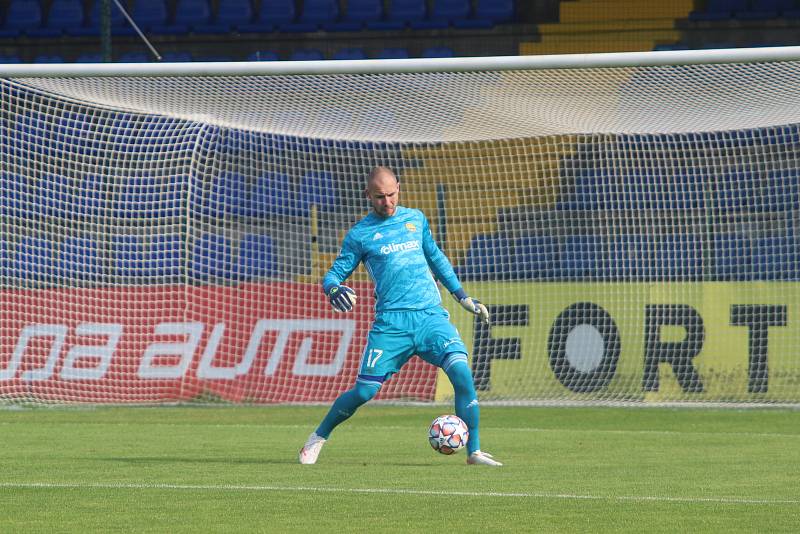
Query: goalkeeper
{"points": [[398, 251]]}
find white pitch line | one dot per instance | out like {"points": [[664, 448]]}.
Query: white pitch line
{"points": [[397, 491]]}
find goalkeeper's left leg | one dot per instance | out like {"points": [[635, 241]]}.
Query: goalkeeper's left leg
{"points": [[466, 399]]}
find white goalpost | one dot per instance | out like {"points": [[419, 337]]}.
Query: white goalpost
{"points": [[631, 221]]}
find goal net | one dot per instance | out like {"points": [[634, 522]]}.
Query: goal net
{"points": [[632, 229]]}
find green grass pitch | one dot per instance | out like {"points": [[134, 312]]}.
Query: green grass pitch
{"points": [[234, 469]]}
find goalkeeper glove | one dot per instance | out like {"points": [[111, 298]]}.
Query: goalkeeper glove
{"points": [[472, 305], [342, 298]]}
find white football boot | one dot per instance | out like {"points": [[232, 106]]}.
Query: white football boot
{"points": [[482, 458], [310, 451]]}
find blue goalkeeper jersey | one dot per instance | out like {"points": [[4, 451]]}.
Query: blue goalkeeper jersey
{"points": [[399, 253]]}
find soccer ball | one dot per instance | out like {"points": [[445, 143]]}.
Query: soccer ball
{"points": [[448, 434]]}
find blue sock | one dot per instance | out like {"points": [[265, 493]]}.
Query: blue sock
{"points": [[466, 400], [346, 405]]}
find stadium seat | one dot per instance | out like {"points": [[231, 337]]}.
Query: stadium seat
{"points": [[257, 258], [119, 25], [765, 9], [776, 258], [152, 16], [407, 12], [438, 51], [392, 53], [318, 188], [17, 199], [364, 11], [48, 58], [176, 57], [536, 257], [143, 196], [272, 15], [489, 257], [320, 11], [24, 17], [79, 261], [91, 197], [307, 54], [158, 257], [496, 11], [732, 257], [226, 195], [583, 257], [64, 15], [212, 258], [233, 14], [34, 260], [194, 16], [350, 53], [449, 11], [272, 194], [134, 57], [263, 55], [89, 58], [9, 59]]}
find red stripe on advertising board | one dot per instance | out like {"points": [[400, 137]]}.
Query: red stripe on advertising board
{"points": [[259, 343]]}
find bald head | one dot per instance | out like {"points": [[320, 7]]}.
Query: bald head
{"points": [[383, 191]]}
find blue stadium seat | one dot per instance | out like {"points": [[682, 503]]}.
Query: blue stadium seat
{"points": [[319, 11], [176, 57], [152, 16], [319, 189], [449, 11], [9, 59], [350, 53], [194, 16], [48, 58], [307, 54], [34, 261], [393, 53], [584, 257], [143, 196], [732, 257], [24, 17], [364, 11], [17, 199], [678, 257], [496, 11], [91, 199], [64, 15], [407, 11], [488, 257], [134, 57], [233, 14], [119, 25], [774, 258], [257, 258], [263, 55], [766, 9], [225, 196], [158, 257], [272, 15], [89, 58], [272, 194], [79, 260], [536, 257], [212, 258], [5, 261], [438, 51]]}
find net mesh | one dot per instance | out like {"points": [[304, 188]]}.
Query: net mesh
{"points": [[632, 231]]}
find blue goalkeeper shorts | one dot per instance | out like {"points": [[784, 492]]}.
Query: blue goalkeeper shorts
{"points": [[398, 335]]}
